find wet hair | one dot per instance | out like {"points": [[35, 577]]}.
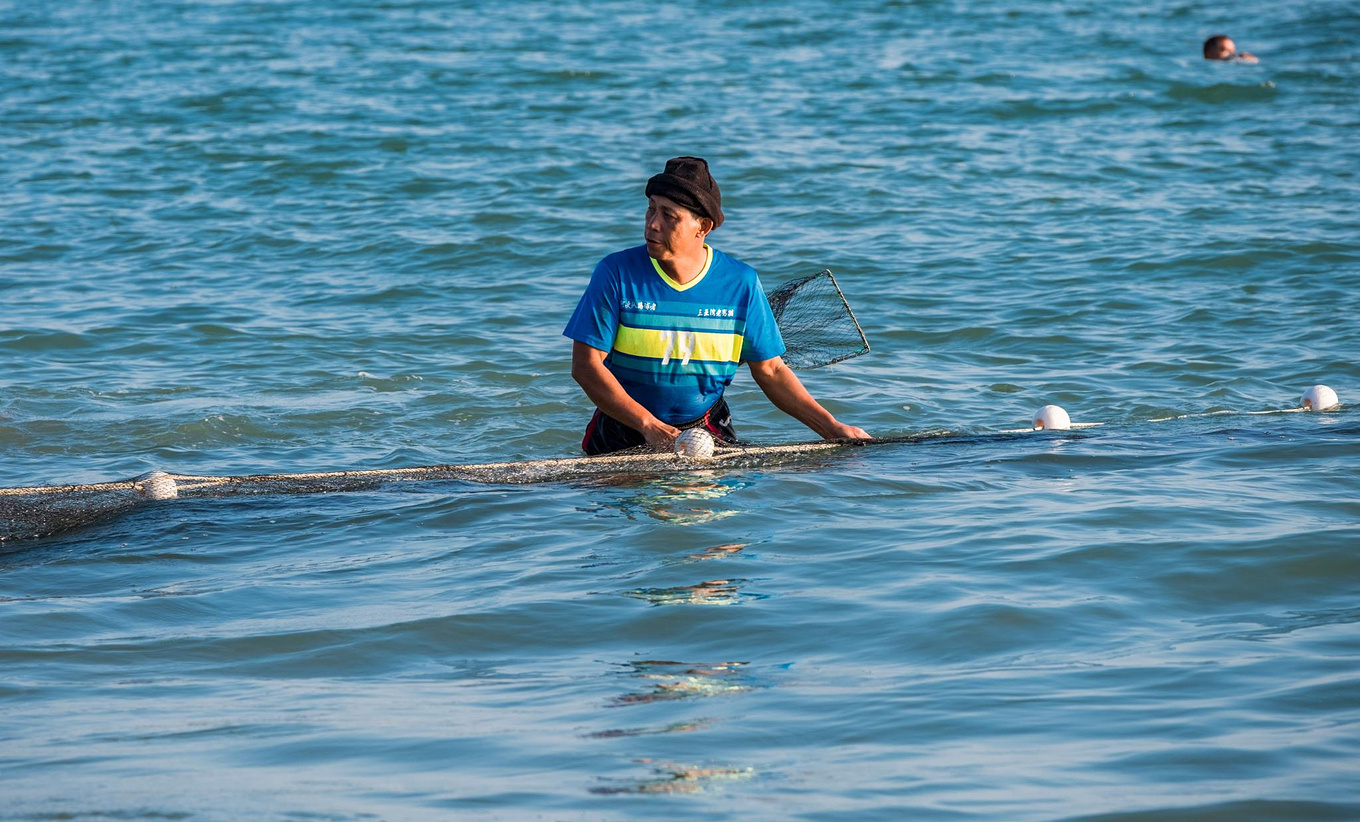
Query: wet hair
{"points": [[1214, 45]]}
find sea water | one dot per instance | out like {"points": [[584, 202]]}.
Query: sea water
{"points": [[244, 237]]}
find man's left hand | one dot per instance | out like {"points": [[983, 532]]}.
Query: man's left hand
{"points": [[840, 431]]}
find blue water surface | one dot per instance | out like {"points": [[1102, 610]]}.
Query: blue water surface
{"points": [[244, 236]]}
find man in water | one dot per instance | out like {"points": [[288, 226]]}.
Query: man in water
{"points": [[1222, 47], [662, 328]]}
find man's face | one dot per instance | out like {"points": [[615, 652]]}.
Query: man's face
{"points": [[1226, 49], [671, 229]]}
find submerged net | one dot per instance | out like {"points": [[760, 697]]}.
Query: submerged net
{"points": [[813, 317], [43, 511], [816, 322], [30, 513]]}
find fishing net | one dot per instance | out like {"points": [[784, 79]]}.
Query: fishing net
{"points": [[42, 511], [29, 513], [813, 316], [816, 322]]}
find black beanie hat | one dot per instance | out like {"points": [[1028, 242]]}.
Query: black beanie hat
{"points": [[686, 181]]}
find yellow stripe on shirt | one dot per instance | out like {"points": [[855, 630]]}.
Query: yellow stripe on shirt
{"points": [[669, 345]]}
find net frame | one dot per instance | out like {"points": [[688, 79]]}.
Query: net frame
{"points": [[816, 321]]}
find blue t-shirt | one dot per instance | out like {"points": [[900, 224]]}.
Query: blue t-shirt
{"points": [[674, 348]]}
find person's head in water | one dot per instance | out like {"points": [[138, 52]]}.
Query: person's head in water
{"points": [[1222, 47]]}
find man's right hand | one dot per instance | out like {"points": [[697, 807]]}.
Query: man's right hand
{"points": [[587, 368], [659, 435]]}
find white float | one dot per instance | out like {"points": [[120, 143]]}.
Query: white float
{"points": [[156, 485], [1319, 398], [1051, 418], [694, 444]]}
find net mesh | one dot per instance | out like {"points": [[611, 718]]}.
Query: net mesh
{"points": [[44, 511], [816, 322], [813, 317]]}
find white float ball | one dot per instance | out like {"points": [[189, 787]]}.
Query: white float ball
{"points": [[1319, 398], [694, 444], [156, 485], [1051, 418]]}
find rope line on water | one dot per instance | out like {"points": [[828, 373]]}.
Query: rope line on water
{"points": [[37, 511]]}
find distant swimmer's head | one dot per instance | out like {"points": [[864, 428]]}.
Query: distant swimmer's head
{"points": [[1222, 47], [683, 205]]}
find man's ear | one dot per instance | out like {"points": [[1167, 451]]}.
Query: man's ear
{"points": [[705, 226]]}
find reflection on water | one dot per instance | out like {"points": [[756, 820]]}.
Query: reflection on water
{"points": [[673, 728], [716, 552], [669, 778], [710, 592], [684, 500], [669, 681]]}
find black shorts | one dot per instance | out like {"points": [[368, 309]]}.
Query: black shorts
{"points": [[605, 434]]}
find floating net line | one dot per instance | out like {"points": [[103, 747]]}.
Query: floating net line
{"points": [[816, 322], [30, 513], [42, 511]]}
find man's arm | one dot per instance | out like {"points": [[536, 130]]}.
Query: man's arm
{"points": [[787, 393], [603, 389]]}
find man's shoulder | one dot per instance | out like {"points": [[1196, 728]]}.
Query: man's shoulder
{"points": [[734, 270], [628, 258]]}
